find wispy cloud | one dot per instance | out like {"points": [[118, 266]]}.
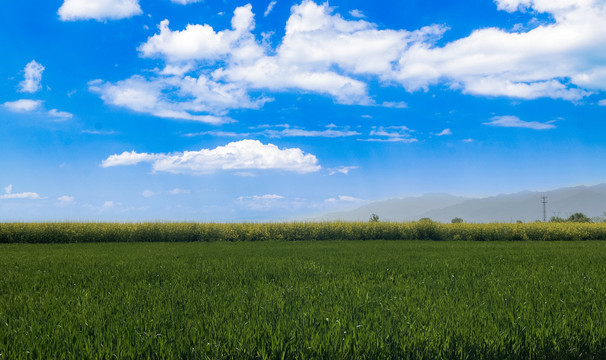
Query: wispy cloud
{"points": [[444, 132], [391, 134], [60, 115], [262, 202], [270, 7], [341, 170], [99, 132], [515, 122], [65, 200], [331, 131], [218, 133], [35, 106], [342, 199], [23, 105], [177, 191], [285, 130], [8, 194]]}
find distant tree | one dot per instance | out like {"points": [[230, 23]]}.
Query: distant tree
{"points": [[425, 219], [557, 219], [579, 217], [456, 220], [519, 222], [374, 218], [599, 219]]}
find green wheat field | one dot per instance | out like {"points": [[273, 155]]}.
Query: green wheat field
{"points": [[339, 299]]}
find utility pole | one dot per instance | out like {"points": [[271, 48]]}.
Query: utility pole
{"points": [[544, 202]]}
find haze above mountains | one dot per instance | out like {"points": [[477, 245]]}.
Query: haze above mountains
{"points": [[525, 206]]}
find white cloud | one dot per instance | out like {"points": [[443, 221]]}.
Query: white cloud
{"points": [[148, 193], [197, 99], [262, 202], [391, 134], [332, 131], [341, 170], [32, 78], [177, 191], [240, 155], [270, 7], [23, 105], [304, 61], [262, 197], [99, 132], [201, 42], [357, 14], [8, 194], [444, 132], [107, 205], [185, 2], [602, 102], [323, 53], [65, 200], [558, 60], [342, 198], [395, 104], [60, 115], [218, 133], [514, 121], [99, 10], [23, 195], [29, 106]]}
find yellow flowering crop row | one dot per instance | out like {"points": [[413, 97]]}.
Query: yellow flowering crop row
{"points": [[295, 231]]}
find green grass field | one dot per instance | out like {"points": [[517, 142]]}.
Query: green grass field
{"points": [[331, 300]]}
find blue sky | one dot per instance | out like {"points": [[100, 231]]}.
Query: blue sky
{"points": [[136, 110]]}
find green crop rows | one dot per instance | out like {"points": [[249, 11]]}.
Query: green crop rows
{"points": [[311, 299], [187, 232]]}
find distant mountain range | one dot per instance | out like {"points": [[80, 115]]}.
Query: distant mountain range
{"points": [[525, 206]]}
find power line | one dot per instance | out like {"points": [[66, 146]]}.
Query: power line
{"points": [[544, 202]]}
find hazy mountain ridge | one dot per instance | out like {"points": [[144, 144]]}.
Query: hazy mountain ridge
{"points": [[525, 206]]}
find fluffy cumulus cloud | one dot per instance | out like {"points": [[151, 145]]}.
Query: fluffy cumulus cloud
{"points": [[320, 53], [514, 121], [206, 72], [565, 59], [240, 155], [32, 77], [99, 10]]}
